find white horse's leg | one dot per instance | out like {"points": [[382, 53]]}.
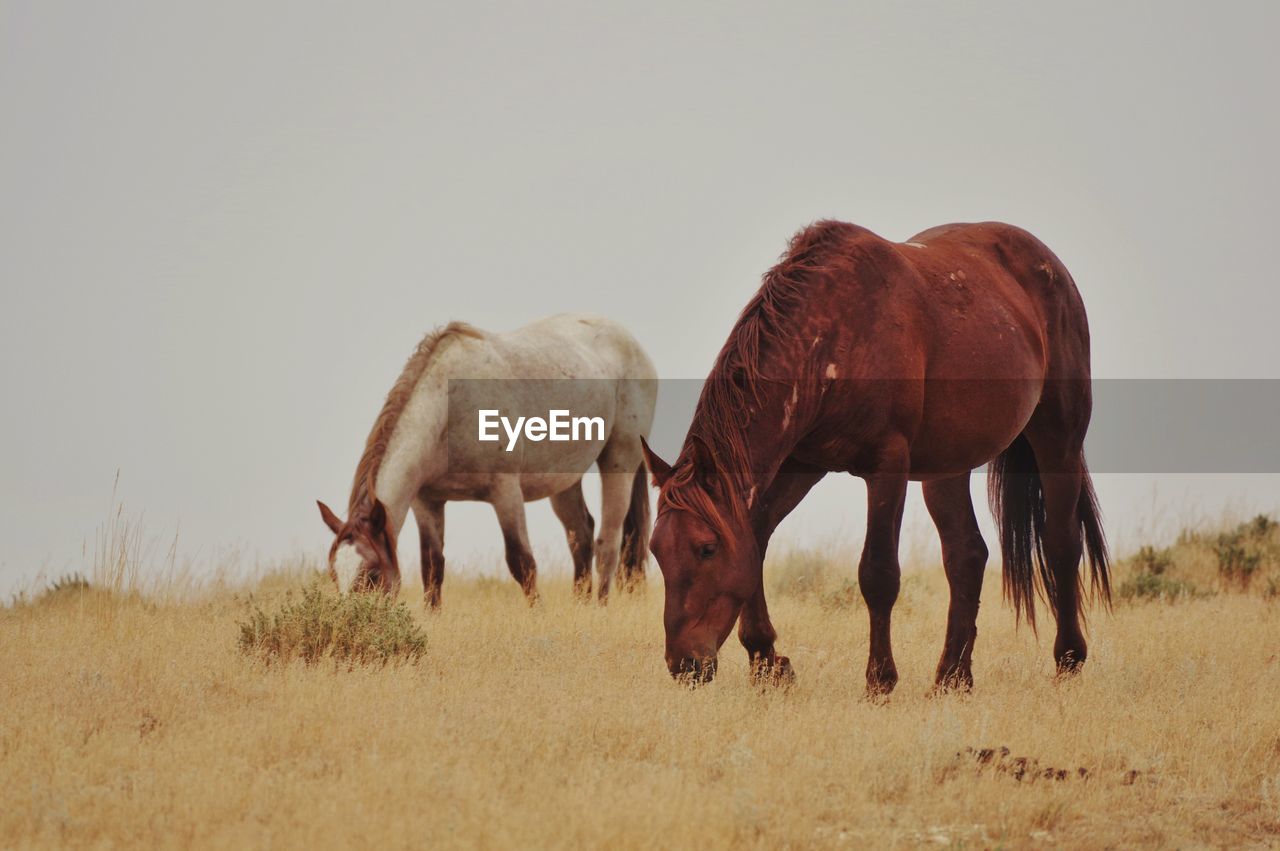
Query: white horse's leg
{"points": [[579, 528], [430, 517], [508, 503], [615, 497]]}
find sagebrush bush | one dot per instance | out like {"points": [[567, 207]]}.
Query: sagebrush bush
{"points": [[355, 629], [1148, 577], [1154, 586], [1246, 549], [1244, 557]]}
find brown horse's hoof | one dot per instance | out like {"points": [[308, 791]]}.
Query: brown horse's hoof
{"points": [[956, 682], [1068, 668], [950, 687], [1070, 655], [881, 684], [881, 678], [776, 672]]}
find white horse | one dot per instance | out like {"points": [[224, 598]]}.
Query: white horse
{"points": [[425, 449]]}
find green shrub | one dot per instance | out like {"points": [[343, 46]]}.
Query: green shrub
{"points": [[1150, 578], [1153, 562], [1272, 591], [1242, 552], [1153, 586], [73, 590], [71, 583], [355, 629]]}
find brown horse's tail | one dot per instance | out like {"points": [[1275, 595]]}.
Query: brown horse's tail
{"points": [[635, 532], [1017, 501]]}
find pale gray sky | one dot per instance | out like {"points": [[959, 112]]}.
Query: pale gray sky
{"points": [[223, 227]]}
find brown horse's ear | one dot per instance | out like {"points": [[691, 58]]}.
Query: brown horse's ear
{"points": [[659, 469], [330, 519], [704, 465]]}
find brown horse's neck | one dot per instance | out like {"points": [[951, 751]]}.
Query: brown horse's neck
{"points": [[763, 389], [732, 455]]}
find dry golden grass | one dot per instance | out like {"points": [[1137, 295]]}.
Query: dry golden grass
{"points": [[130, 720]]}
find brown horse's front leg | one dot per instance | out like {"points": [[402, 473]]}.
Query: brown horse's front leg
{"points": [[757, 635], [755, 630], [879, 573]]}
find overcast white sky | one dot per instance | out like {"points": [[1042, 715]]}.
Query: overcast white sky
{"points": [[223, 227]]}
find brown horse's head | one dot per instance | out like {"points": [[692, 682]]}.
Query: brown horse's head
{"points": [[363, 555], [709, 560]]}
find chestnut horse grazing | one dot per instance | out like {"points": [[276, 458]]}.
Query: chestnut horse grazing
{"points": [[420, 454], [921, 360]]}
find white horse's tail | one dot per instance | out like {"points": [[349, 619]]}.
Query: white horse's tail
{"points": [[635, 532]]}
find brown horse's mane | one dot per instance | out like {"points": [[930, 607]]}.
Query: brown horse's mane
{"points": [[715, 455], [375, 447]]}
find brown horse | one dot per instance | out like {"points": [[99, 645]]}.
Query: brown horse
{"points": [[921, 360]]}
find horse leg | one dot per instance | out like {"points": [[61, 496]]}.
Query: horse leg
{"points": [[964, 558], [636, 528], [430, 517], [615, 497], [579, 528], [755, 629], [879, 573], [757, 635], [1061, 479], [508, 503]]}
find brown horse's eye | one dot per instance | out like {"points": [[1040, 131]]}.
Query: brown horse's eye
{"points": [[706, 551]]}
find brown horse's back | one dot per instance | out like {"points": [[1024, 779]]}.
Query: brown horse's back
{"points": [[947, 338], [1011, 254]]}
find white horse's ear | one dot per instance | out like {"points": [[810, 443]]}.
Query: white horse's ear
{"points": [[378, 515], [330, 519], [659, 469]]}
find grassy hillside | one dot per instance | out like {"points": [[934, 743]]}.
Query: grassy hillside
{"points": [[150, 718]]}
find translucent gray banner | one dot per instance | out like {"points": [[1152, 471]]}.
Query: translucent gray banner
{"points": [[1216, 426]]}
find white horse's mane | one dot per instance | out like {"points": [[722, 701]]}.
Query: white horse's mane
{"points": [[375, 447]]}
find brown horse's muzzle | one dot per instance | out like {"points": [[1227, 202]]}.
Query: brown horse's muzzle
{"points": [[693, 671]]}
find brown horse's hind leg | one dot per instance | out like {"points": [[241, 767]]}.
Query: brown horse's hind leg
{"points": [[964, 558], [579, 528], [879, 573], [1061, 479], [430, 517]]}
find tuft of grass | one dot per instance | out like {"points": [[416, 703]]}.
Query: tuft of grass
{"points": [[353, 629], [802, 573], [822, 574]]}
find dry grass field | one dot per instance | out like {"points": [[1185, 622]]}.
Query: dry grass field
{"points": [[133, 719]]}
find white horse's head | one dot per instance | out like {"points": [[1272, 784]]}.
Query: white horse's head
{"points": [[363, 555]]}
